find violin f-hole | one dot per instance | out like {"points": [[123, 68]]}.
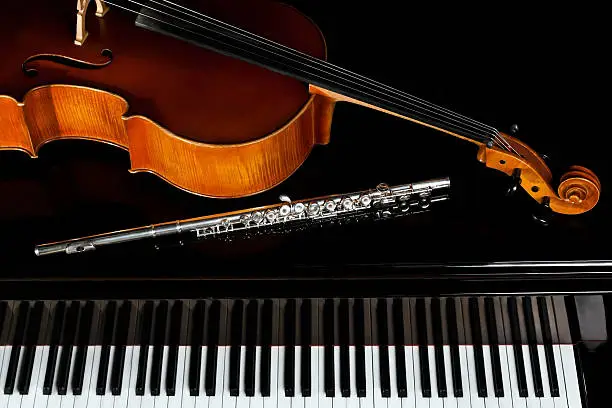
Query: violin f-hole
{"points": [[67, 61]]}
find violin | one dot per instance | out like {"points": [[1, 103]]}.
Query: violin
{"points": [[232, 116]]}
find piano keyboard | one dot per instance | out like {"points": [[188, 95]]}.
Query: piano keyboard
{"points": [[290, 353]]}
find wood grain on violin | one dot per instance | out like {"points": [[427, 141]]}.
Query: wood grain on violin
{"points": [[218, 126], [208, 122]]}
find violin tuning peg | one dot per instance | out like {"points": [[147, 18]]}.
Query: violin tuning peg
{"points": [[544, 213], [514, 183], [546, 158]]}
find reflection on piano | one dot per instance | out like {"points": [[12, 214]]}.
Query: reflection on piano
{"points": [[399, 352]]}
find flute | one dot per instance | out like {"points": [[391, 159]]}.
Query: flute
{"points": [[381, 202]]}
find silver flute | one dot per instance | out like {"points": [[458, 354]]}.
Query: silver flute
{"points": [[382, 202]]}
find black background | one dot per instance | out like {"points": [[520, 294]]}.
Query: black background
{"points": [[542, 69]]}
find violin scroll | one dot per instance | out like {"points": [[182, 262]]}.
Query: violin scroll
{"points": [[578, 190]]}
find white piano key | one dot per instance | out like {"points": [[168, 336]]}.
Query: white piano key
{"points": [[353, 401], [161, 401], [121, 400], [242, 401], [176, 401], [410, 400], [29, 399], [546, 401], [517, 400], [298, 400], [435, 401], [506, 400], [55, 400], [338, 401], [324, 401], [68, 399], [257, 401], [93, 400], [40, 400], [572, 387], [228, 400], [532, 400], [393, 401], [562, 400], [379, 401], [491, 400], [14, 400], [216, 401], [202, 400], [465, 401], [368, 400], [108, 400], [313, 400], [3, 368], [133, 400], [450, 401], [148, 400], [282, 400], [420, 400], [476, 401]]}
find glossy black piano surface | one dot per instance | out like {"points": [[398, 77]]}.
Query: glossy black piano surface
{"points": [[538, 68], [502, 351]]}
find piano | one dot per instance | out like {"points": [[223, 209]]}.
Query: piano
{"points": [[415, 313], [467, 347]]}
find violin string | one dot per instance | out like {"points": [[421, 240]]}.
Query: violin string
{"points": [[325, 64], [252, 37], [203, 17], [317, 61], [436, 121]]}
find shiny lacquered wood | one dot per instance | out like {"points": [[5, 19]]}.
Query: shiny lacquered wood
{"points": [[579, 188], [208, 124]]}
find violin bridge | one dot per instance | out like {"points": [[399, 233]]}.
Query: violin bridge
{"points": [[81, 31]]}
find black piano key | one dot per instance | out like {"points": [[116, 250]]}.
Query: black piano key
{"points": [[266, 343], [328, 334], [63, 371], [533, 347], [123, 322], [481, 379], [78, 373], [31, 341], [548, 348], [235, 342], [107, 339], [382, 325], [359, 325], [251, 343], [197, 341], [421, 321], [18, 337], [515, 331], [345, 365], [146, 325], [400, 347], [306, 333], [159, 339], [212, 333], [498, 385], [436, 317], [56, 335], [453, 340], [289, 343], [174, 337]]}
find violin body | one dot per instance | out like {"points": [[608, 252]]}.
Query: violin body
{"points": [[205, 122]]}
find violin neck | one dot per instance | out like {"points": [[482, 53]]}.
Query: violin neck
{"points": [[322, 77]]}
